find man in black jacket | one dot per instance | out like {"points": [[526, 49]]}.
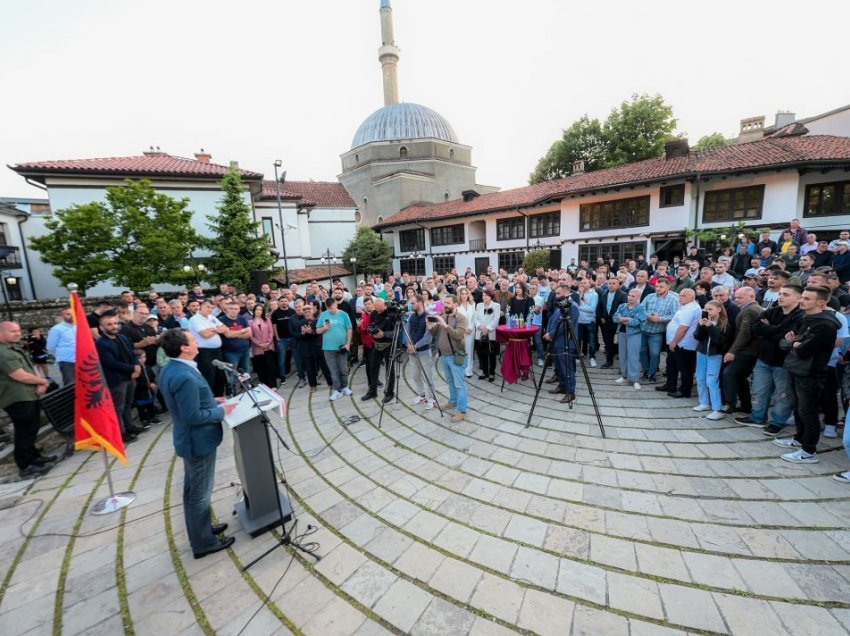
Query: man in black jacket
{"points": [[120, 369], [382, 326], [642, 285], [605, 310], [809, 349], [770, 380]]}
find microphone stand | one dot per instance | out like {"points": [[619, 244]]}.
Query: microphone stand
{"points": [[286, 537]]}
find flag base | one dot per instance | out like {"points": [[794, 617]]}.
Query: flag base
{"points": [[113, 503]]}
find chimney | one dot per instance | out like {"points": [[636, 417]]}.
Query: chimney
{"points": [[234, 164], [469, 195], [153, 152], [676, 148], [203, 156], [784, 118], [578, 167], [752, 129]]}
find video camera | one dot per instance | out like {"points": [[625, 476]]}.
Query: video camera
{"points": [[396, 307], [565, 304]]}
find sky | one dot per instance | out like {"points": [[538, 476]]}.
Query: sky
{"points": [[254, 81]]}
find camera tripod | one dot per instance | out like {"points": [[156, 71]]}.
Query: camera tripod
{"points": [[565, 325], [394, 364]]}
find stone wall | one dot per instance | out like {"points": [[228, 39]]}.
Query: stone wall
{"points": [[44, 313]]}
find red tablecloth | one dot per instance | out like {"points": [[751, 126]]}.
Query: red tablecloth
{"points": [[515, 360]]}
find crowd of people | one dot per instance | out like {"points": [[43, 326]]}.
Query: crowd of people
{"points": [[756, 332]]}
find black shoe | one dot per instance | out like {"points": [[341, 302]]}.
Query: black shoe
{"points": [[371, 395], [607, 365], [665, 389], [135, 430], [218, 528], [156, 420], [380, 384], [746, 420], [128, 438], [772, 430], [387, 399], [678, 394], [225, 543], [492, 378], [34, 470], [45, 459], [726, 410]]}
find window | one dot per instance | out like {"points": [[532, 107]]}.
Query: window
{"points": [[447, 235], [412, 240], [544, 225], [511, 261], [619, 251], [512, 228], [443, 264], [268, 229], [451, 153], [357, 158], [402, 152], [445, 196], [606, 215], [412, 266], [734, 204], [672, 196], [827, 199]]}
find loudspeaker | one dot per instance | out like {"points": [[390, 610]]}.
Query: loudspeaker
{"points": [[258, 279]]}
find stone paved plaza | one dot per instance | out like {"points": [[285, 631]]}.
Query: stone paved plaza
{"points": [[673, 524]]}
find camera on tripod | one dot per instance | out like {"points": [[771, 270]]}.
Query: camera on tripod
{"points": [[396, 307], [565, 304]]}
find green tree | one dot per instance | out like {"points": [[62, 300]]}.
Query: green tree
{"points": [[709, 142], [374, 255], [583, 140], [535, 259], [137, 238], [237, 248], [635, 131]]}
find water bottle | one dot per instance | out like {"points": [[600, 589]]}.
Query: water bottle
{"points": [[521, 322]]}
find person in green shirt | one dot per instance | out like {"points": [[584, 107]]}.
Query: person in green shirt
{"points": [[20, 388]]}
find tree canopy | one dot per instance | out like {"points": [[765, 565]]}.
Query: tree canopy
{"points": [[237, 249], [136, 238], [374, 255], [636, 130], [708, 142]]}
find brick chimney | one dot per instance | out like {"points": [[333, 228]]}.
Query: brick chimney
{"points": [[578, 167], [752, 129], [677, 148], [153, 152], [203, 156]]}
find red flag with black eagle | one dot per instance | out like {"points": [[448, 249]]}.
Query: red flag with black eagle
{"points": [[95, 420]]}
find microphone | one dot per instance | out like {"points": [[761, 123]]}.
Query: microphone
{"points": [[221, 364]]}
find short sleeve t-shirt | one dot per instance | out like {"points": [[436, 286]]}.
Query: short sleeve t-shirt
{"points": [[337, 335], [13, 358], [235, 344], [687, 316]]}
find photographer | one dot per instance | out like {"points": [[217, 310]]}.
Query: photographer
{"points": [[450, 332], [335, 328], [566, 305], [368, 343], [381, 328], [420, 346]]}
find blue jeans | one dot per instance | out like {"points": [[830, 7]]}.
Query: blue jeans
{"points": [[630, 347], [587, 337], [650, 352], [538, 342], [240, 360], [708, 380], [198, 475], [770, 381], [565, 365], [283, 345], [456, 380], [847, 434]]}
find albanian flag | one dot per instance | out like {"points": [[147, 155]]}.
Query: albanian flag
{"points": [[95, 420]]}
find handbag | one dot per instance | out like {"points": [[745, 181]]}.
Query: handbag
{"points": [[797, 366], [459, 356]]}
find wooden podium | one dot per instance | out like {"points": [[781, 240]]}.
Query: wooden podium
{"points": [[259, 508]]}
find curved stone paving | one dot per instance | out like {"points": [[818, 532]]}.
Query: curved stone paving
{"points": [[673, 524]]}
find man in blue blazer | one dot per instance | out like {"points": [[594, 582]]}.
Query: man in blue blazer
{"points": [[197, 417], [565, 360]]}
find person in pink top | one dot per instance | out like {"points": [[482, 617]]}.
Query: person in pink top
{"points": [[262, 346]]}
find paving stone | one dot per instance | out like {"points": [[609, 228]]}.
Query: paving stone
{"points": [[498, 597], [691, 607], [633, 594], [801, 619], [494, 553], [661, 562], [589, 621], [402, 604], [441, 618], [526, 530], [568, 541], [340, 563], [583, 581], [419, 561], [455, 579], [457, 539], [748, 616], [713, 570], [535, 567], [545, 614], [368, 583], [616, 552], [768, 579]]}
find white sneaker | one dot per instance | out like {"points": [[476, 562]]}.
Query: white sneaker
{"points": [[430, 404], [636, 385], [335, 395], [790, 421], [419, 400], [800, 456], [593, 362], [620, 380], [540, 362], [842, 478], [829, 431], [787, 442], [715, 415], [346, 391], [701, 407]]}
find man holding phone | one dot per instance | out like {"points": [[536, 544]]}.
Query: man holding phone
{"points": [[335, 328], [660, 307]]}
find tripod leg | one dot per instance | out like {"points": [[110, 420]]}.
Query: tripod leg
{"points": [[587, 381]]}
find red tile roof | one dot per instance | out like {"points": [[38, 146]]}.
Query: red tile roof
{"points": [[785, 152], [317, 273], [320, 194], [159, 164]]}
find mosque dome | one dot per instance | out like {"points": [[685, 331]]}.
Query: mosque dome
{"points": [[396, 122]]}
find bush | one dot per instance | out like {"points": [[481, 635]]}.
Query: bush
{"points": [[535, 259]]}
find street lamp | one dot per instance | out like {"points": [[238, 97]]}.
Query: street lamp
{"points": [[353, 261], [277, 164], [329, 258], [8, 280]]}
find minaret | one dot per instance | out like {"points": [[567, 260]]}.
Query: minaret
{"points": [[388, 55]]}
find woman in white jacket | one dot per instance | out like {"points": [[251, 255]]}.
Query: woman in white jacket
{"points": [[466, 306], [485, 322]]}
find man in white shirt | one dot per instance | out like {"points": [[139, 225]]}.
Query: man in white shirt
{"points": [[722, 277], [207, 330], [682, 355]]}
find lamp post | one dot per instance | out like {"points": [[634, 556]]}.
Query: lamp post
{"points": [[277, 164], [329, 258], [353, 261], [7, 280]]}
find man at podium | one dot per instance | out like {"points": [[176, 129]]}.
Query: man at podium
{"points": [[197, 417]]}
